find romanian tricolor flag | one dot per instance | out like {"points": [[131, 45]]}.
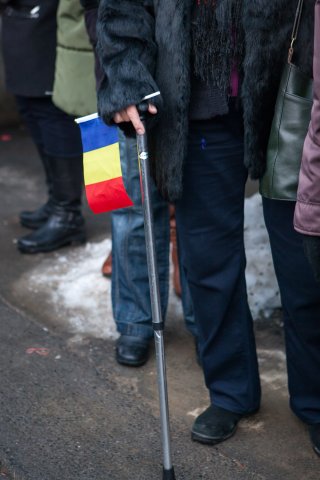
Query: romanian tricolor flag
{"points": [[101, 165]]}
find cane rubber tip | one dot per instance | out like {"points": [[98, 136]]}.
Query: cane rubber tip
{"points": [[168, 474]]}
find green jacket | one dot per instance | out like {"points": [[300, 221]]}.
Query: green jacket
{"points": [[74, 85]]}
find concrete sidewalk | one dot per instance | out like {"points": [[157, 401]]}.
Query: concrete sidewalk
{"points": [[69, 411]]}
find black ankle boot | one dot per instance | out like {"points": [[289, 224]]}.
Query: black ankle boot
{"points": [[65, 225], [38, 217], [62, 228]]}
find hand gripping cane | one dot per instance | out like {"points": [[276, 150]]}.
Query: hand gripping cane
{"points": [[157, 322]]}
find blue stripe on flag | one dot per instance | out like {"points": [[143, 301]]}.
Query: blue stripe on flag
{"points": [[96, 134]]}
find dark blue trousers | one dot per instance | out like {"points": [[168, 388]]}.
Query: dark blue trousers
{"points": [[300, 295], [210, 223]]}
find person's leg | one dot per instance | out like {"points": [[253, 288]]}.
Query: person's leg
{"points": [[130, 284], [210, 224], [300, 295], [34, 219], [62, 144]]}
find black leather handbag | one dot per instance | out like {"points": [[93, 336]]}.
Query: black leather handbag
{"points": [[289, 128]]}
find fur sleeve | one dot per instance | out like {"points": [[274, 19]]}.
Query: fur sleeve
{"points": [[127, 51]]}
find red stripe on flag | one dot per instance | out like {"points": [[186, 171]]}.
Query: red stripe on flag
{"points": [[107, 195]]}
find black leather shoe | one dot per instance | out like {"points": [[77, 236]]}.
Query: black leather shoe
{"points": [[38, 217], [132, 351], [314, 431], [215, 425], [62, 228]]}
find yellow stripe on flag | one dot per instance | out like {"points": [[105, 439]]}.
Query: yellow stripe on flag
{"points": [[102, 164]]}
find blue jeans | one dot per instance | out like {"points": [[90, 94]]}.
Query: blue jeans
{"points": [[130, 285]]}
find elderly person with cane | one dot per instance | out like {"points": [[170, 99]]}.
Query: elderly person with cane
{"points": [[217, 65]]}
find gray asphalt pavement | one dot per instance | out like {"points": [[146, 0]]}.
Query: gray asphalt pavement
{"points": [[68, 411]]}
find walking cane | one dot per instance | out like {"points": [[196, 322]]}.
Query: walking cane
{"points": [[157, 321]]}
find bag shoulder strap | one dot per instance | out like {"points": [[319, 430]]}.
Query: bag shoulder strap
{"points": [[295, 30]]}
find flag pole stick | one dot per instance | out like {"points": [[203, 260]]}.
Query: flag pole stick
{"points": [[157, 321]]}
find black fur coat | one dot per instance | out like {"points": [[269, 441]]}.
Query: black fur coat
{"points": [[144, 46]]}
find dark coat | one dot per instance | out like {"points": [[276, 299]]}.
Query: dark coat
{"points": [[307, 213], [144, 46], [29, 47]]}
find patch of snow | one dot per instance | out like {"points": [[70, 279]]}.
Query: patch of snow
{"points": [[82, 296], [78, 290]]}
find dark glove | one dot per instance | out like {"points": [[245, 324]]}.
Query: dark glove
{"points": [[312, 250]]}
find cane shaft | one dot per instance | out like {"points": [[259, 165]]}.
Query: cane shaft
{"points": [[155, 298]]}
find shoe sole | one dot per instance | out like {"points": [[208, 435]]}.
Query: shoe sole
{"points": [[198, 437], [129, 363], [77, 240]]}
